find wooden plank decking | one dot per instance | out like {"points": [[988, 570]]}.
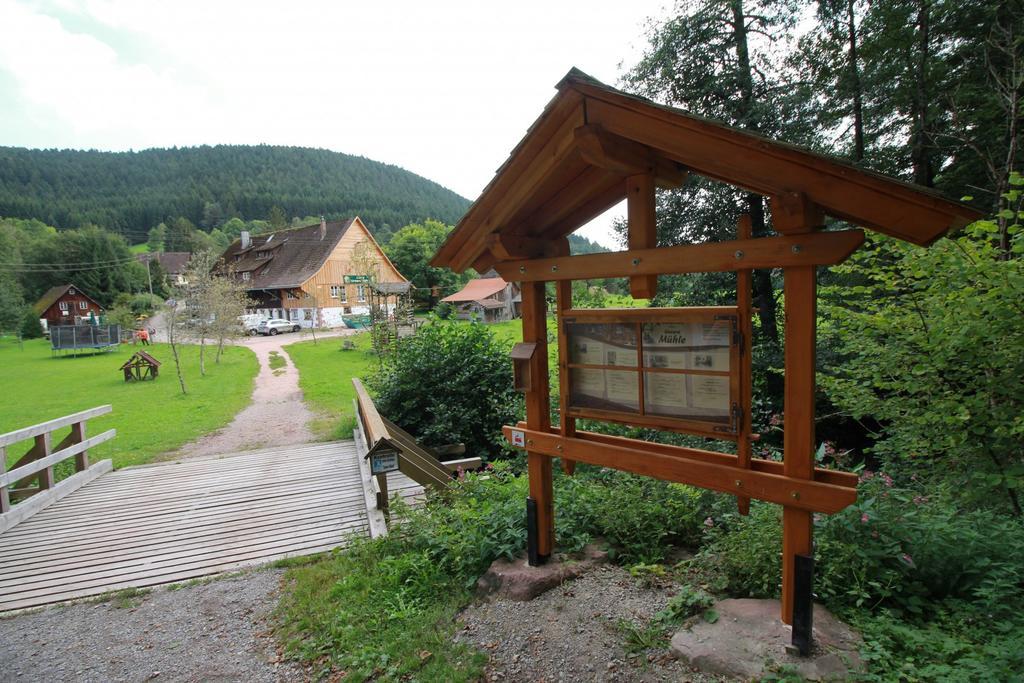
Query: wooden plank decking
{"points": [[172, 522]]}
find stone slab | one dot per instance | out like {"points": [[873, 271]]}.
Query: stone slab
{"points": [[749, 640], [517, 580]]}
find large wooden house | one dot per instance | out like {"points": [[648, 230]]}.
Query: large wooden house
{"points": [[66, 305], [312, 275]]}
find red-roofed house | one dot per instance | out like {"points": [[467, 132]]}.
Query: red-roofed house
{"points": [[65, 305], [489, 298]]}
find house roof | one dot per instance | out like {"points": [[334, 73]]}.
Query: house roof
{"points": [[286, 258], [173, 262], [572, 164], [53, 294], [477, 290]]}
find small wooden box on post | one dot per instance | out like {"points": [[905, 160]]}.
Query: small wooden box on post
{"points": [[680, 369]]}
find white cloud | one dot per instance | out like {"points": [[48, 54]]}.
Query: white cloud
{"points": [[444, 89]]}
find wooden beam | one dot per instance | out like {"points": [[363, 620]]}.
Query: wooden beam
{"points": [[564, 114], [806, 494], [835, 477], [753, 163], [555, 152], [604, 198], [516, 247], [589, 184], [22, 511], [566, 422], [643, 229], [744, 302], [822, 248], [52, 425], [538, 413], [600, 148], [794, 213], [800, 291]]}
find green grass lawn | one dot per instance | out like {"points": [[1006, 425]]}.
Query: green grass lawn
{"points": [[151, 417], [325, 377], [326, 372]]}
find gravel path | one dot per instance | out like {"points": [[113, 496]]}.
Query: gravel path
{"points": [[571, 633], [277, 415], [215, 631]]}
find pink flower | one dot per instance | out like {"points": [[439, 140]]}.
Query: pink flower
{"points": [[920, 500], [907, 559], [887, 479], [830, 450], [874, 534], [867, 476], [864, 518], [709, 522], [775, 420]]}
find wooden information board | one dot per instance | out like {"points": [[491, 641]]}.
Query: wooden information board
{"points": [[673, 368]]}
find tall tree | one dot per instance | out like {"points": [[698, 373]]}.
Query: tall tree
{"points": [[704, 60]]}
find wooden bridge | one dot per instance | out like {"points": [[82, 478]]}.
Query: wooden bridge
{"points": [[98, 531]]}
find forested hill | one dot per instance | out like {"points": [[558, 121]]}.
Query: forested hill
{"points": [[130, 192]]}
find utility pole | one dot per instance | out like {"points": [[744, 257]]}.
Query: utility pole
{"points": [[149, 275]]}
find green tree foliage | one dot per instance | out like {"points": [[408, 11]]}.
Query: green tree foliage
{"points": [[930, 347], [411, 249], [31, 328], [130, 192], [449, 383], [96, 260]]}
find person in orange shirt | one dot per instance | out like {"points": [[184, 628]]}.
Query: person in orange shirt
{"points": [[143, 336]]}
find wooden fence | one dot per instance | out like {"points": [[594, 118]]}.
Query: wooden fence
{"points": [[30, 482], [420, 464]]}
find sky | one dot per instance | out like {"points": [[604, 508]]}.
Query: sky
{"points": [[443, 89]]}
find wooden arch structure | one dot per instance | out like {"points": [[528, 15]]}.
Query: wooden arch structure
{"points": [[594, 146]]}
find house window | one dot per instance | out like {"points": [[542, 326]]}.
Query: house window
{"points": [[290, 294], [361, 293], [261, 254], [63, 305], [83, 305], [335, 291], [246, 275]]}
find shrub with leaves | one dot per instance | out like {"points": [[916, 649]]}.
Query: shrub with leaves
{"points": [[931, 344], [451, 382]]}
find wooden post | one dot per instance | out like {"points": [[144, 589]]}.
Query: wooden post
{"points": [[643, 232], [41, 449], [78, 436], [538, 415], [792, 214], [5, 499], [567, 423], [744, 302]]}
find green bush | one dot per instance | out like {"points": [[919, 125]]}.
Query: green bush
{"points": [[450, 383], [641, 518], [30, 325], [444, 310]]}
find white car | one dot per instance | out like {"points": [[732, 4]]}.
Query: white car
{"points": [[276, 326], [250, 322]]}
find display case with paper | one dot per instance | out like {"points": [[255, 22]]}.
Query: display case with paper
{"points": [[676, 368]]}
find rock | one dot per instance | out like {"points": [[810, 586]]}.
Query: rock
{"points": [[517, 580], [749, 640]]}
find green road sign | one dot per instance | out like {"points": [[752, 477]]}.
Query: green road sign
{"points": [[356, 279]]}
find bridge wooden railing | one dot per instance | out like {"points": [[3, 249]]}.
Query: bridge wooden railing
{"points": [[420, 464], [36, 465]]}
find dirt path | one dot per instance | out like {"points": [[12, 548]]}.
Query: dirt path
{"points": [[277, 415], [217, 631]]}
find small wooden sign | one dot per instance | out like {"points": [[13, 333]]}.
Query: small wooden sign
{"points": [[356, 279], [383, 458]]}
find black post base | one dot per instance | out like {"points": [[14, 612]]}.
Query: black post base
{"points": [[532, 555], [803, 604]]}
